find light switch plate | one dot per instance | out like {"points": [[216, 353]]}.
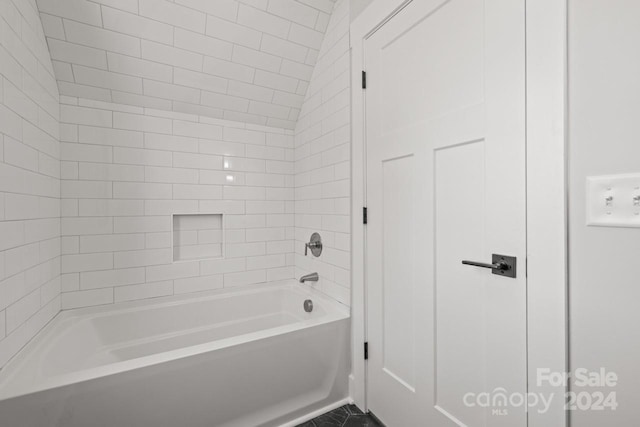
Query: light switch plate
{"points": [[613, 201]]}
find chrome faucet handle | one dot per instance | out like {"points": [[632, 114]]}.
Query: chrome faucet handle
{"points": [[315, 244]]}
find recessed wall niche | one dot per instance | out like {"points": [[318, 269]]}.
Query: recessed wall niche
{"points": [[197, 236]]}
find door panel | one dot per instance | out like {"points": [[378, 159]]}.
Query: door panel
{"points": [[459, 291], [445, 143], [398, 339]]}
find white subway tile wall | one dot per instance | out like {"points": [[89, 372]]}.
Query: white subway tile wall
{"points": [[229, 59], [322, 162], [29, 178], [127, 169]]}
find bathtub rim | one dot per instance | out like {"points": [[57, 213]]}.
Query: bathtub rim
{"points": [[336, 312]]}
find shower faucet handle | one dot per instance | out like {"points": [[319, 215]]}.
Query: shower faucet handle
{"points": [[312, 246], [315, 244]]}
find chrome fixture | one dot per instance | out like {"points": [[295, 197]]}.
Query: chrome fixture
{"points": [[500, 264], [313, 277], [315, 244], [308, 305]]}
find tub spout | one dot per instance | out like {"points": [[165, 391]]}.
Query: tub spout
{"points": [[313, 277]]}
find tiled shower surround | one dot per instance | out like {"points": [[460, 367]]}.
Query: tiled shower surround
{"points": [[88, 187], [323, 151], [126, 170], [29, 179]]}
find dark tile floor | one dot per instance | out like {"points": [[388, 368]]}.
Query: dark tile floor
{"points": [[345, 416]]}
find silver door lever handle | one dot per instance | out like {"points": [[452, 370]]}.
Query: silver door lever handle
{"points": [[502, 265]]}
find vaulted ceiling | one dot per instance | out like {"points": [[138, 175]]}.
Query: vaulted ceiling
{"points": [[243, 60]]}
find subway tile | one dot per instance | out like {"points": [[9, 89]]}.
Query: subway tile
{"points": [[140, 100], [128, 5], [52, 26], [228, 207], [198, 284], [109, 278], [157, 240], [197, 161], [20, 207], [197, 130], [134, 190], [128, 259], [227, 9], [168, 207], [237, 250], [281, 273], [294, 11], [221, 266], [171, 91], [256, 58], [134, 156], [78, 10], [171, 55], [100, 38], [85, 116], [197, 192], [141, 224], [170, 175], [135, 25], [86, 262], [225, 102], [306, 36], [228, 70], [111, 243], [244, 193], [88, 298], [220, 147], [110, 137], [283, 48], [70, 245], [111, 172], [19, 154], [275, 81], [188, 40], [141, 123], [249, 91], [109, 207], [156, 141], [86, 189], [174, 14], [232, 32], [173, 271], [83, 226], [221, 177], [139, 67], [143, 291], [245, 278], [263, 21], [82, 91], [245, 136]]}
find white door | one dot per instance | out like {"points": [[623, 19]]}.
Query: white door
{"points": [[445, 144]]}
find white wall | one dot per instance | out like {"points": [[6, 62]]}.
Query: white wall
{"points": [[604, 105], [29, 179], [322, 162], [126, 169]]}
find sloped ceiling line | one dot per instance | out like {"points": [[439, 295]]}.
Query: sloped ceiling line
{"points": [[243, 60]]}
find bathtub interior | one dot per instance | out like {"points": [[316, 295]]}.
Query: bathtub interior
{"points": [[97, 341]]}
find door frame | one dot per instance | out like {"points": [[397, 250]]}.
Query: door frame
{"points": [[546, 135]]}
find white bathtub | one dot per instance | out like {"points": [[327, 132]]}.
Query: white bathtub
{"points": [[248, 358]]}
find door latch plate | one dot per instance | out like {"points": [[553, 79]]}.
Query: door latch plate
{"points": [[505, 259]]}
